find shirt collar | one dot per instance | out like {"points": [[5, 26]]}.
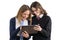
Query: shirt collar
{"points": [[41, 16]]}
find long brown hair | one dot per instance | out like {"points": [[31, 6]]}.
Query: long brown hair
{"points": [[22, 9], [38, 5]]}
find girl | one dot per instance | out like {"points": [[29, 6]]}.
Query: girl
{"points": [[23, 18], [42, 22]]}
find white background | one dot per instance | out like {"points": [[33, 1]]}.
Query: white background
{"points": [[9, 9]]}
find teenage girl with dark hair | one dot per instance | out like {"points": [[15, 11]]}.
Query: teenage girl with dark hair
{"points": [[42, 21]]}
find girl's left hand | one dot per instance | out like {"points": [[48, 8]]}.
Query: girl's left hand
{"points": [[37, 28], [25, 34]]}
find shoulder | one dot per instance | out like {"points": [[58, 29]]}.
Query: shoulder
{"points": [[12, 19], [47, 18]]}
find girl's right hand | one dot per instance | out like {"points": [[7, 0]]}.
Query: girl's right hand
{"points": [[25, 34]]}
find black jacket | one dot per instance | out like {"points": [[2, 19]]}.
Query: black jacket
{"points": [[14, 31], [45, 23]]}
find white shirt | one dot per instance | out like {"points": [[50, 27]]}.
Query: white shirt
{"points": [[41, 16], [25, 22]]}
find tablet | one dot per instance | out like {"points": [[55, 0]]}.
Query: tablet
{"points": [[29, 29]]}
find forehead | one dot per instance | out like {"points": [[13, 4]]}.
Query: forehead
{"points": [[34, 9], [26, 12]]}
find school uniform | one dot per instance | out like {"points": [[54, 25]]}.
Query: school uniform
{"points": [[14, 29], [45, 22]]}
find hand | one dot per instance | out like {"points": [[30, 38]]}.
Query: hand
{"points": [[37, 28], [20, 28], [25, 34]]}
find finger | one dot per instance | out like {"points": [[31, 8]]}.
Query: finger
{"points": [[35, 28], [25, 32], [22, 32], [20, 28], [36, 25]]}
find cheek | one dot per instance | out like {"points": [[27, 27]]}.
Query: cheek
{"points": [[25, 16]]}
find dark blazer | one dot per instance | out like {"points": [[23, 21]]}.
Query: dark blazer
{"points": [[14, 31], [45, 23]]}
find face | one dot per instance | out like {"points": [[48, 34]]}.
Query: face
{"points": [[25, 14], [37, 12]]}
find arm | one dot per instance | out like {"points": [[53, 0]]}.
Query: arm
{"points": [[47, 31], [13, 31]]}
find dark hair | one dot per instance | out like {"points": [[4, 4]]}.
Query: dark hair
{"points": [[38, 5]]}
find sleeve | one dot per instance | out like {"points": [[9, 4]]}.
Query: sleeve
{"points": [[13, 31], [47, 31]]}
